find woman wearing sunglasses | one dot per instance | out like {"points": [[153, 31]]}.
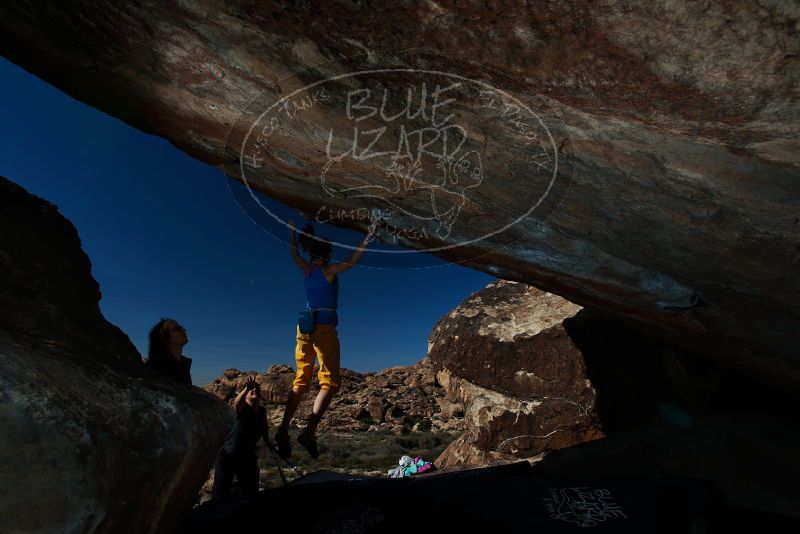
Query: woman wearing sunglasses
{"points": [[167, 339]]}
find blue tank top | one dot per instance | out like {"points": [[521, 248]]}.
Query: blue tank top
{"points": [[322, 294]]}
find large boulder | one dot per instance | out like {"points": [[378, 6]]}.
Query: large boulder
{"points": [[653, 146], [536, 373], [90, 440], [506, 355]]}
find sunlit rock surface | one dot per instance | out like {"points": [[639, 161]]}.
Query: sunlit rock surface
{"points": [[506, 355], [668, 132], [535, 374], [401, 399]]}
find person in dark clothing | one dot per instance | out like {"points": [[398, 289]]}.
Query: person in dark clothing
{"points": [[238, 455], [167, 339]]}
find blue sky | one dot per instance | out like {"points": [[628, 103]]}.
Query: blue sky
{"points": [[168, 239]]}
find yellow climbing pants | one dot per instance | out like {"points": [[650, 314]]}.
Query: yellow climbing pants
{"points": [[324, 344]]}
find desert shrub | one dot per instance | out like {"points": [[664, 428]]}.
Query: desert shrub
{"points": [[407, 442], [357, 452], [366, 419]]}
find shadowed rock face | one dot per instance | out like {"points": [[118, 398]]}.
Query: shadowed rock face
{"points": [[674, 128], [90, 440], [535, 373], [751, 457]]}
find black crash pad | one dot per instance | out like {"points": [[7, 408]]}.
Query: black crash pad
{"points": [[493, 499]]}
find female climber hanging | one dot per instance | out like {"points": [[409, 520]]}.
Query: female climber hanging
{"points": [[316, 333]]}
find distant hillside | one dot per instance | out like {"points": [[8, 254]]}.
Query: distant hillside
{"points": [[374, 419], [398, 400]]}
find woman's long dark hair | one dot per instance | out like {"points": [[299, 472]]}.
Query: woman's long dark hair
{"points": [[318, 248], [158, 348]]}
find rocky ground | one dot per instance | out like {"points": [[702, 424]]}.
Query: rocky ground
{"points": [[358, 453], [398, 400], [374, 420]]}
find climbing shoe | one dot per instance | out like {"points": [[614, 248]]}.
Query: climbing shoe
{"points": [[282, 439], [310, 443]]}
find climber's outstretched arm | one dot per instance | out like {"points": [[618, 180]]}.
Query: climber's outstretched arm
{"points": [[355, 257], [298, 259]]}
